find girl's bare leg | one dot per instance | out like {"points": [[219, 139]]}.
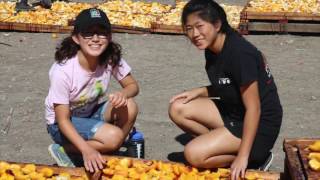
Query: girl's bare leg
{"points": [[123, 117], [218, 148], [109, 137], [197, 117], [214, 145]]}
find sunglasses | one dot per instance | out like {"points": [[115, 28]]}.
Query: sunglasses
{"points": [[100, 34]]}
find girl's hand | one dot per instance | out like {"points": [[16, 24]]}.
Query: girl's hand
{"points": [[118, 99], [186, 96], [238, 167], [92, 159]]}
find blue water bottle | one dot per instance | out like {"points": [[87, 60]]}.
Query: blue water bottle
{"points": [[135, 145]]}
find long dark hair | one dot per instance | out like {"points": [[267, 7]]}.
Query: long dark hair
{"points": [[209, 11], [68, 49]]}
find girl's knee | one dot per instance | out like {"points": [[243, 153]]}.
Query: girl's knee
{"points": [[175, 109], [115, 144], [128, 113], [176, 106], [132, 107], [115, 139], [193, 156]]}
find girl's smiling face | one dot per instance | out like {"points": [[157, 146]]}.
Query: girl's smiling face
{"points": [[201, 33], [93, 41]]}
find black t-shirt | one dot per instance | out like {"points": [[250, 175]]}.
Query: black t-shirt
{"points": [[240, 63]]}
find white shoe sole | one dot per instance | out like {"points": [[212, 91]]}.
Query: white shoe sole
{"points": [[55, 157], [266, 168]]}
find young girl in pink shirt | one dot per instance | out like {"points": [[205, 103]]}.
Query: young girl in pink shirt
{"points": [[81, 116]]}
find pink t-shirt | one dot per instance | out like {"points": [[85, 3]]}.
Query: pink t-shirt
{"points": [[81, 90]]}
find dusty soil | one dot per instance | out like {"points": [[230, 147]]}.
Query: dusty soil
{"points": [[164, 65]]}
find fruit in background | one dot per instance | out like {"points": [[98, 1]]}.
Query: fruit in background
{"points": [[301, 6], [315, 147], [314, 165], [314, 155]]}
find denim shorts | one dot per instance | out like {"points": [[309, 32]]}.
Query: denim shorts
{"points": [[86, 127]]}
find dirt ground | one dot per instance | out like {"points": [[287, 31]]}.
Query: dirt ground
{"points": [[164, 65]]}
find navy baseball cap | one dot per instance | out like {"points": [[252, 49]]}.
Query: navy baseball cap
{"points": [[90, 17]]}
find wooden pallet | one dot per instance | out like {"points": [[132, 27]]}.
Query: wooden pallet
{"points": [[296, 161], [281, 22]]}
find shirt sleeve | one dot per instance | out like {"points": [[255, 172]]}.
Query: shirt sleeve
{"points": [[59, 87], [121, 70], [244, 68]]}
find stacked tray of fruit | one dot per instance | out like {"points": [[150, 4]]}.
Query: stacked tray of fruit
{"points": [[20, 171], [128, 168], [314, 156], [301, 6]]}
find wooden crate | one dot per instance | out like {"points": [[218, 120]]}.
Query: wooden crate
{"points": [[262, 175], [166, 29], [130, 29], [27, 27], [296, 161], [281, 22], [12, 26]]}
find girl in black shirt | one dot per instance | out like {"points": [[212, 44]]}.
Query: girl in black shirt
{"points": [[239, 123]]}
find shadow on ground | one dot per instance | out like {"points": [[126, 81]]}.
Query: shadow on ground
{"points": [[183, 139]]}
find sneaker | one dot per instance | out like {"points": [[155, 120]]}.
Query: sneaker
{"points": [[23, 6], [60, 156], [266, 165], [46, 3]]}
